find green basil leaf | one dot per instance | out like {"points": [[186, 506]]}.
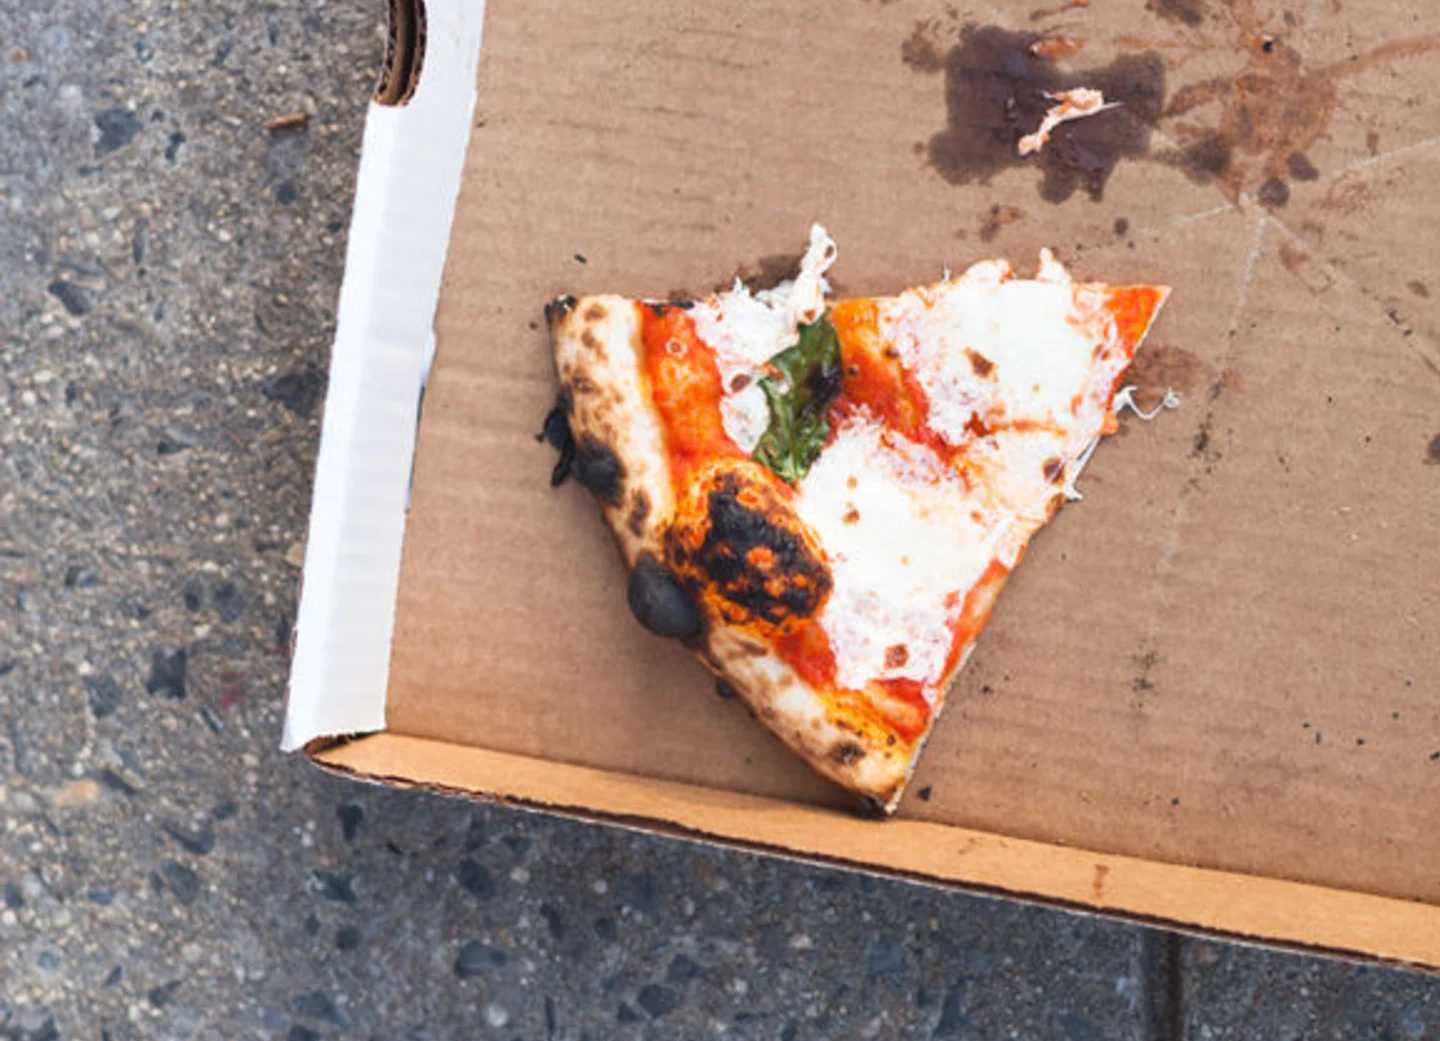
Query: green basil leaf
{"points": [[799, 397]]}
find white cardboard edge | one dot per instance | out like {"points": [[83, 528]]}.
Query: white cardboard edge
{"points": [[410, 166]]}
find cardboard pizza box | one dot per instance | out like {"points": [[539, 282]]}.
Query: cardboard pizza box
{"points": [[1209, 698]]}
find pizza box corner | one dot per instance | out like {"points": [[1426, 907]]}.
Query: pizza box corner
{"points": [[1210, 696]]}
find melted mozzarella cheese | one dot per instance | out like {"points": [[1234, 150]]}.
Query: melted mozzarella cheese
{"points": [[903, 534], [747, 329], [994, 348], [1025, 360], [1018, 375]]}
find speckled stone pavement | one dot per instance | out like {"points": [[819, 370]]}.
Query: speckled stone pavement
{"points": [[168, 268]]}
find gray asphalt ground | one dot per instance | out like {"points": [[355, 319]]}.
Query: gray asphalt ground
{"points": [[168, 270]]}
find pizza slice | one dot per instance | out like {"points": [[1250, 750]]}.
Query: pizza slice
{"points": [[823, 499]]}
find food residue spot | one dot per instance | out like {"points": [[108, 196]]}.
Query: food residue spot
{"points": [[1274, 193], [1273, 110], [1372, 142], [1163, 366], [1122, 226], [1057, 48], [1187, 12], [996, 218], [1432, 451], [998, 90], [1419, 288], [1301, 168], [925, 793]]}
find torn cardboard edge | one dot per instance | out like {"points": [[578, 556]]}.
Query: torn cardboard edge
{"points": [[404, 53], [409, 177], [1225, 905]]}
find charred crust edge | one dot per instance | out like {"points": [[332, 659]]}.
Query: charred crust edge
{"points": [[555, 431], [872, 808], [598, 469], [559, 308], [659, 602]]}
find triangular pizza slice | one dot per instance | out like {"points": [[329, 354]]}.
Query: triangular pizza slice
{"points": [[823, 499]]}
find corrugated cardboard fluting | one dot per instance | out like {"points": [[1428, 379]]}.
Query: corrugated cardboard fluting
{"points": [[1226, 657]]}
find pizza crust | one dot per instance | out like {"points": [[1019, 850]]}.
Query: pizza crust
{"points": [[597, 357], [597, 342]]}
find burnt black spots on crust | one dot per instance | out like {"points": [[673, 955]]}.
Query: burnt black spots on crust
{"points": [[1207, 158], [597, 468], [556, 433], [658, 601], [558, 308], [996, 92], [765, 569]]}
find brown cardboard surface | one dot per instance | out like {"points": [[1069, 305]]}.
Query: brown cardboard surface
{"points": [[1215, 902], [1186, 665]]}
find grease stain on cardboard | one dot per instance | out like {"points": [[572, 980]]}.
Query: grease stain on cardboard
{"points": [[997, 83], [1270, 112]]}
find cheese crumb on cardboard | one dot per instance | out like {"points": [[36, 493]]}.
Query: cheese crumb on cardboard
{"points": [[1073, 104]]}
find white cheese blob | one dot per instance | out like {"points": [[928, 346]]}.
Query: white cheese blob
{"points": [[747, 329], [1015, 370], [905, 538]]}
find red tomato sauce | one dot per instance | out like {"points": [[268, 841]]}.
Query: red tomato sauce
{"points": [[685, 386]]}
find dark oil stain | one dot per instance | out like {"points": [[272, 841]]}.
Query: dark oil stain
{"points": [[1269, 113], [995, 218], [923, 50], [1159, 367], [1291, 258], [1274, 193], [1301, 168], [1201, 444], [1432, 451], [1419, 288], [996, 87], [768, 272], [1187, 12]]}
